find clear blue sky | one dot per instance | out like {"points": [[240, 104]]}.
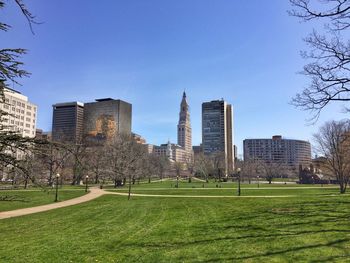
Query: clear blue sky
{"points": [[148, 52]]}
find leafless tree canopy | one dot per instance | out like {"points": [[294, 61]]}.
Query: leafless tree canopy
{"points": [[329, 54], [333, 142]]}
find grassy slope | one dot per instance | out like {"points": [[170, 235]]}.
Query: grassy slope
{"points": [[112, 229], [29, 198]]}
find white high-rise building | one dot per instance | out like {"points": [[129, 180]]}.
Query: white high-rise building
{"points": [[22, 115]]}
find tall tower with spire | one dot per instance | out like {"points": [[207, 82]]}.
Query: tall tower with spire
{"points": [[184, 131]]}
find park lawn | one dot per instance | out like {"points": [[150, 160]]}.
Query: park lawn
{"points": [[309, 228], [30, 198], [212, 184], [232, 192]]}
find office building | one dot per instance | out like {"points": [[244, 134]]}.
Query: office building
{"points": [[291, 153], [217, 131], [106, 118], [67, 122], [21, 114]]}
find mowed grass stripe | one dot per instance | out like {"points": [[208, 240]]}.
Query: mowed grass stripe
{"points": [[112, 229]]}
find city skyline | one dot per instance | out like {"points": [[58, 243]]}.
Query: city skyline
{"points": [[153, 54]]}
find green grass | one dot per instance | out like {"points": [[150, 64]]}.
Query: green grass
{"points": [[309, 228], [233, 192], [30, 198], [227, 189]]}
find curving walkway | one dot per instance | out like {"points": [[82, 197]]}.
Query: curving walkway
{"points": [[94, 193], [204, 196]]}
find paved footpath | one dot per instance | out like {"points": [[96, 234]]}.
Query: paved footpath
{"points": [[94, 193]]}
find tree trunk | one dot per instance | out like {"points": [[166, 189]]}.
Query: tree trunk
{"points": [[129, 193], [26, 183], [342, 188], [51, 175]]}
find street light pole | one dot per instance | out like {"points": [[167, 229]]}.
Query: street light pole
{"points": [[86, 183], [239, 181], [56, 196]]}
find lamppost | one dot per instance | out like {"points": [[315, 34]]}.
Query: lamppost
{"points": [[258, 181], [239, 181], [86, 183], [56, 196]]}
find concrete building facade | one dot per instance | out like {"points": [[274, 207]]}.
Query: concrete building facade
{"points": [[18, 115], [217, 131], [174, 152], [22, 114], [291, 153], [67, 121]]}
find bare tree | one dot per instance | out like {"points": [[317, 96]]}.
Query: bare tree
{"points": [[218, 162], [52, 156], [190, 167], [248, 169], [202, 165], [96, 161], [178, 169], [333, 142], [163, 165], [149, 165], [125, 156], [329, 54], [270, 169], [77, 160]]}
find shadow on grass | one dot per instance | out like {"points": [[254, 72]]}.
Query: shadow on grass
{"points": [[13, 198], [329, 220], [279, 252]]}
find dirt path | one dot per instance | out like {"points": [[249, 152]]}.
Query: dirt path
{"points": [[94, 193]]}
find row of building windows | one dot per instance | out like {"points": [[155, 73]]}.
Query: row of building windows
{"points": [[20, 104]]}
